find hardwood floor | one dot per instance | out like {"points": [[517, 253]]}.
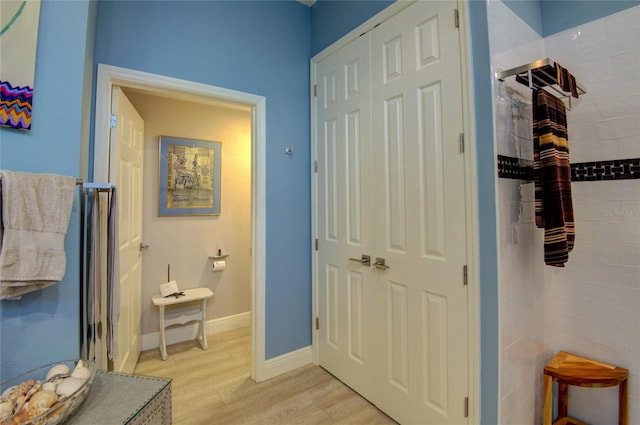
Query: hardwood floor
{"points": [[215, 387]]}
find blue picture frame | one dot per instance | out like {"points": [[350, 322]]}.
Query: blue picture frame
{"points": [[189, 177]]}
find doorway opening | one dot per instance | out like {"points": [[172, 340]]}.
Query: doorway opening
{"points": [[192, 92]]}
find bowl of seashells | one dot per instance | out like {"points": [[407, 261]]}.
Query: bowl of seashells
{"points": [[46, 395]]}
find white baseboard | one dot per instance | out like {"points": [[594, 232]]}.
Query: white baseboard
{"points": [[287, 362], [189, 331]]}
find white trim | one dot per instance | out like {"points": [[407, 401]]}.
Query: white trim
{"points": [[259, 237], [287, 362], [315, 296], [109, 76], [473, 240], [471, 182], [188, 332]]}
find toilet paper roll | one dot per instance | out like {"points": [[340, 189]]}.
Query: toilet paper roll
{"points": [[218, 265]]}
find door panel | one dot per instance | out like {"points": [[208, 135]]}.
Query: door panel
{"points": [[420, 231], [394, 165], [126, 158], [344, 215]]}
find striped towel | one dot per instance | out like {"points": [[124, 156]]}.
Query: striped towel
{"points": [[566, 81], [552, 176]]}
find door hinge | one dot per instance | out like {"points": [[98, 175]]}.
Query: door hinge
{"points": [[465, 279], [113, 121], [315, 166], [461, 141], [316, 244], [315, 90], [456, 18], [317, 323], [466, 407]]}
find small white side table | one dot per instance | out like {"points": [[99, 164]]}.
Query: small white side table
{"points": [[195, 294]]}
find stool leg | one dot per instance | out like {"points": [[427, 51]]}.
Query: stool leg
{"points": [[623, 414], [563, 400], [547, 397]]}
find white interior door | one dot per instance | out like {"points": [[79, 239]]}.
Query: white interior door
{"points": [[421, 298], [344, 214], [411, 332], [126, 165]]}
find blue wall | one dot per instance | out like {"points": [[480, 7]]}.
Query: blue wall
{"points": [[529, 11], [548, 17], [487, 228], [331, 19], [559, 15], [44, 326], [258, 47]]}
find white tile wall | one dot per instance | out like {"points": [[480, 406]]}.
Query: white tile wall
{"points": [[597, 296], [521, 281], [592, 306]]}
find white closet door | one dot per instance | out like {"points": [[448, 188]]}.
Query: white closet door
{"points": [[419, 206], [391, 185], [345, 215]]}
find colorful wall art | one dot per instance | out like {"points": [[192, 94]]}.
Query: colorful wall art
{"points": [[18, 41], [189, 177]]}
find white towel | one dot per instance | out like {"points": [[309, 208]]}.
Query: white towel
{"points": [[35, 215]]}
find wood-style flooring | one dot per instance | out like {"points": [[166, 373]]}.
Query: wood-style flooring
{"points": [[214, 386]]}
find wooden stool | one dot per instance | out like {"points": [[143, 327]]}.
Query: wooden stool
{"points": [[570, 369]]}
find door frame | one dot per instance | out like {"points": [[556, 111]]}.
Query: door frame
{"points": [[470, 178], [190, 91]]}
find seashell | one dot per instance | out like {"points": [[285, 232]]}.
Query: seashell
{"points": [[6, 410], [48, 386], [68, 386], [41, 401], [7, 393], [59, 369], [21, 417], [20, 394], [81, 372]]}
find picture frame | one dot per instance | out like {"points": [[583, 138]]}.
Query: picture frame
{"points": [[189, 177]]}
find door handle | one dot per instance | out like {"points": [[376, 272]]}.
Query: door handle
{"points": [[380, 264], [365, 260], [143, 246]]}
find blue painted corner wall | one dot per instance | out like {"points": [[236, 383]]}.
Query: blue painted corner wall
{"points": [[44, 326]]}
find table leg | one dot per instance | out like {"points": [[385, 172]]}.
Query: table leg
{"points": [[202, 334], [163, 342]]}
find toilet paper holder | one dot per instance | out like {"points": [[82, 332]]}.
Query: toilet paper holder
{"points": [[219, 262], [220, 256]]}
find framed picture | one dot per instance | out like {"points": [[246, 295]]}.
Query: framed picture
{"points": [[189, 177]]}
